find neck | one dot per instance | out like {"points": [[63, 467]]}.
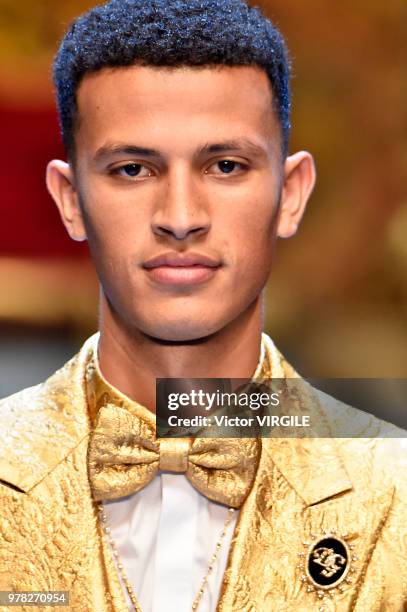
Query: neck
{"points": [[131, 361]]}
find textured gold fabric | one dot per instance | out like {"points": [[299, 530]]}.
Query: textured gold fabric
{"points": [[124, 454], [50, 537]]}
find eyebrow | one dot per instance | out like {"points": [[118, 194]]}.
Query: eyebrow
{"points": [[233, 145], [109, 150], [124, 149]]}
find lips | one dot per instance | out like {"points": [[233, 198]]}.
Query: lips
{"points": [[181, 260], [181, 268]]}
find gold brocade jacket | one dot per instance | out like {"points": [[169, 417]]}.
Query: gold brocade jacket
{"points": [[305, 490]]}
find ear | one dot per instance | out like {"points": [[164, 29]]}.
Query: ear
{"points": [[61, 186], [299, 181]]}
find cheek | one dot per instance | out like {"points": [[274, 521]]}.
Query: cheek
{"points": [[112, 223], [109, 247], [250, 233]]}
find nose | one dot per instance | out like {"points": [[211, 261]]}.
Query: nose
{"points": [[181, 211]]}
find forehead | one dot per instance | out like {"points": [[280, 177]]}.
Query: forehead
{"points": [[180, 105]]}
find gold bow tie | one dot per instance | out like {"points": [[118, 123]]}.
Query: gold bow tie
{"points": [[124, 456]]}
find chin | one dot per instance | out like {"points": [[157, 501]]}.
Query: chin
{"points": [[186, 330]]}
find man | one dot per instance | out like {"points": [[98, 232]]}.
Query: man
{"points": [[175, 119]]}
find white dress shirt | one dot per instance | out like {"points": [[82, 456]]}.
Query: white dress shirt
{"points": [[166, 535]]}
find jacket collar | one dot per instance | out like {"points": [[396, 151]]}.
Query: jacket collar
{"points": [[313, 467], [59, 407]]}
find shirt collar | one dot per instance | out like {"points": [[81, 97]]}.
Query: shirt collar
{"points": [[99, 391]]}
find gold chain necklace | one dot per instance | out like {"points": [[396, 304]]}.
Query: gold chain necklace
{"points": [[120, 567]]}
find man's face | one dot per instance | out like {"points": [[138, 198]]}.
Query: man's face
{"points": [[179, 172]]}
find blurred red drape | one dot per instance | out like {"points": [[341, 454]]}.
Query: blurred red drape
{"points": [[29, 221]]}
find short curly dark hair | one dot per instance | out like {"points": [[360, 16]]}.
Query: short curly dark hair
{"points": [[170, 33]]}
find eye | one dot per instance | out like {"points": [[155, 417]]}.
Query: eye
{"points": [[226, 167], [132, 170]]}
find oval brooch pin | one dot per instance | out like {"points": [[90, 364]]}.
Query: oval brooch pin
{"points": [[327, 564]]}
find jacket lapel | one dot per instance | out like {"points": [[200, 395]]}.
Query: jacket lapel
{"points": [[302, 494], [47, 421], [45, 485]]}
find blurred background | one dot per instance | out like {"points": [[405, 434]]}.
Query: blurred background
{"points": [[337, 299]]}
